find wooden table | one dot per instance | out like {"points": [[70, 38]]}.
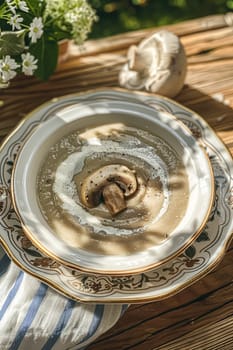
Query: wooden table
{"points": [[201, 316]]}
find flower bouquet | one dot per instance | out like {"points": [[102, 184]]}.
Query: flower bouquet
{"points": [[31, 30]]}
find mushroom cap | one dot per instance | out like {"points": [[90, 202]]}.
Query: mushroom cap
{"points": [[93, 185], [158, 64]]}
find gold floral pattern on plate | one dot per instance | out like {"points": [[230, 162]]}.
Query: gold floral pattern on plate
{"points": [[166, 280]]}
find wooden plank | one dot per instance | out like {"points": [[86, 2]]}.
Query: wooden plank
{"points": [[215, 337], [162, 322], [124, 40]]}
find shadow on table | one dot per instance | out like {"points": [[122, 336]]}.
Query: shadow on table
{"points": [[213, 109]]}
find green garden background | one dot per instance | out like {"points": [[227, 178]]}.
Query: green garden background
{"points": [[125, 15]]}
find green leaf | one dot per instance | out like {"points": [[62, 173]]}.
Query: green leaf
{"points": [[2, 9], [46, 51], [57, 34], [36, 7], [12, 43]]}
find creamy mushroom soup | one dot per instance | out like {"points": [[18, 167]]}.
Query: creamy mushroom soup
{"points": [[112, 189]]}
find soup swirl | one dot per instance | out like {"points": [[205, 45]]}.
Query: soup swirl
{"points": [[148, 189]]}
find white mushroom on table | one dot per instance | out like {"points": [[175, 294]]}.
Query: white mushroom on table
{"points": [[157, 64]]}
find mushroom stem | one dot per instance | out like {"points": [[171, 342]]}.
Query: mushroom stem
{"points": [[114, 198], [139, 61]]}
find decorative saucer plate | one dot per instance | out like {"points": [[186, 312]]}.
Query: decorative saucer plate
{"points": [[197, 260], [114, 248]]}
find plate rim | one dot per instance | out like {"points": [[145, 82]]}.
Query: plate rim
{"points": [[136, 270], [139, 299]]}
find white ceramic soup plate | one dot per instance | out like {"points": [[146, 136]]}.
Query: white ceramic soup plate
{"points": [[131, 250]]}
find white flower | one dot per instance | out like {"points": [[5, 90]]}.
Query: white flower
{"points": [[28, 64], [74, 16], [36, 29], [11, 5], [15, 21], [7, 68], [23, 6]]}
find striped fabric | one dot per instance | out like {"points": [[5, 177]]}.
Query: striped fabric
{"points": [[33, 316]]}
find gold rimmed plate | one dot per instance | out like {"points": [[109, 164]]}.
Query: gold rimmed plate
{"points": [[203, 255], [168, 210]]}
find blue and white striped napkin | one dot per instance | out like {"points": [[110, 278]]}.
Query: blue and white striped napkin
{"points": [[33, 316]]}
